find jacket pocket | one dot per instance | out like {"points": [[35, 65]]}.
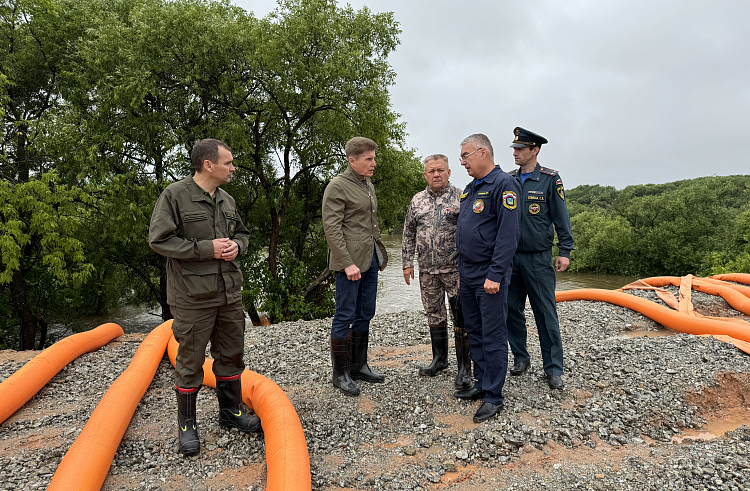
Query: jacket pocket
{"points": [[197, 225], [201, 280]]}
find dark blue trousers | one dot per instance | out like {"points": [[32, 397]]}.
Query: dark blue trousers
{"points": [[533, 275], [484, 318], [355, 302]]}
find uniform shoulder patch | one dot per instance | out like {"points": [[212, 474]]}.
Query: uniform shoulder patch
{"points": [[514, 172], [510, 200], [463, 196], [547, 170], [561, 192]]}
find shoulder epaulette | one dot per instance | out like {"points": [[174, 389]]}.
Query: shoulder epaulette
{"points": [[514, 172], [547, 170]]}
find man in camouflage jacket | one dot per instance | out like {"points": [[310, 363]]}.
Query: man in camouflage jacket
{"points": [[430, 228]]}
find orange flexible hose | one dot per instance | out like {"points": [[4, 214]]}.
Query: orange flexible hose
{"points": [[735, 298], [662, 315], [17, 389], [287, 459], [737, 277], [88, 460]]}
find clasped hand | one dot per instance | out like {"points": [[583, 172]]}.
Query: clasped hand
{"points": [[225, 249]]}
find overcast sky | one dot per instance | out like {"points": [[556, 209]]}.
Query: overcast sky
{"points": [[626, 92]]}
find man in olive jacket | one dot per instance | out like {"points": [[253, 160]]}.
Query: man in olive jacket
{"points": [[196, 226], [355, 254]]}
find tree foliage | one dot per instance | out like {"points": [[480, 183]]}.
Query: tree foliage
{"points": [[693, 226], [101, 101]]}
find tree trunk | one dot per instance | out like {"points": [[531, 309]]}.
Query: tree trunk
{"points": [[19, 297], [273, 244], [42, 332], [253, 313]]}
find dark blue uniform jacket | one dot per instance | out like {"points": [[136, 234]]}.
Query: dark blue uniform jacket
{"points": [[542, 204], [487, 232]]}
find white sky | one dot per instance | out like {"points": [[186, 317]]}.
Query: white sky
{"points": [[626, 92]]}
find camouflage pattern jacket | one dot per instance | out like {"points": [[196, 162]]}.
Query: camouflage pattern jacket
{"points": [[430, 228]]}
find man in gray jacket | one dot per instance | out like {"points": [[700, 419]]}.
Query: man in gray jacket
{"points": [[196, 226], [430, 228], [355, 254]]}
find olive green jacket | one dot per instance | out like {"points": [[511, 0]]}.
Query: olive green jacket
{"points": [[350, 222], [184, 223]]}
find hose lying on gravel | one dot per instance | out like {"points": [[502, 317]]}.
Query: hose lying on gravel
{"points": [[87, 462], [685, 320], [17, 389], [287, 459], [738, 277]]}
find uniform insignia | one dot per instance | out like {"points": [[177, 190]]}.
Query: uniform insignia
{"points": [[230, 214], [548, 171], [534, 197], [478, 206], [534, 208], [558, 182], [191, 217], [232, 225], [561, 192], [509, 200], [463, 196], [485, 193], [535, 192], [517, 132], [515, 139]]}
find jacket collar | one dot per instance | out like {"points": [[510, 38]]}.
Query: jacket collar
{"points": [[444, 190], [490, 178], [351, 174], [197, 193], [535, 174]]}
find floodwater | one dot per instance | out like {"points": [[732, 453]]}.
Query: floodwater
{"points": [[394, 295]]}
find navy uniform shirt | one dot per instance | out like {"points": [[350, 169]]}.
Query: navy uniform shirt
{"points": [[542, 204], [487, 232]]}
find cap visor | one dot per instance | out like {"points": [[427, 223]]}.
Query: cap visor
{"points": [[518, 145]]}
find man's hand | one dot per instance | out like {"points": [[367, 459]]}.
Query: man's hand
{"points": [[408, 274], [353, 272], [225, 249], [231, 250], [561, 263], [491, 287]]}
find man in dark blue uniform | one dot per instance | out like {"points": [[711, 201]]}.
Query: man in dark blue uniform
{"points": [[542, 205], [486, 240]]}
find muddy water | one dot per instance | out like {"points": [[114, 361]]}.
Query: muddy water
{"points": [[716, 428], [394, 295]]}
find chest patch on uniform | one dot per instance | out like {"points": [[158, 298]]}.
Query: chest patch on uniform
{"points": [[534, 197], [463, 196], [561, 192], [231, 215], [478, 206], [485, 193], [192, 217], [510, 200], [534, 208]]}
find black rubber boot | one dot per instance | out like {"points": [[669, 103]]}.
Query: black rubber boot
{"points": [[439, 338], [463, 357], [229, 393], [359, 369], [340, 362], [190, 443]]}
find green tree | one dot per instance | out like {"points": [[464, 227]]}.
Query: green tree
{"points": [[39, 213]]}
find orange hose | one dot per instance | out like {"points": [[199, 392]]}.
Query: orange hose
{"points": [[287, 459], [736, 277], [662, 315], [88, 460], [17, 389], [735, 298]]}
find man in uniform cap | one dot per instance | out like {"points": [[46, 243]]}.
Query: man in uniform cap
{"points": [[542, 205]]}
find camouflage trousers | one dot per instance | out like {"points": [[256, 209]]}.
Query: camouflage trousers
{"points": [[434, 287]]}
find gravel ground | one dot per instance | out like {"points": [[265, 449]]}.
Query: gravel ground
{"points": [[613, 426]]}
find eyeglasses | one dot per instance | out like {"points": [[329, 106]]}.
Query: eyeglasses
{"points": [[466, 156]]}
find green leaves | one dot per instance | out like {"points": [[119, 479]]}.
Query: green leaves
{"points": [[43, 213]]}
